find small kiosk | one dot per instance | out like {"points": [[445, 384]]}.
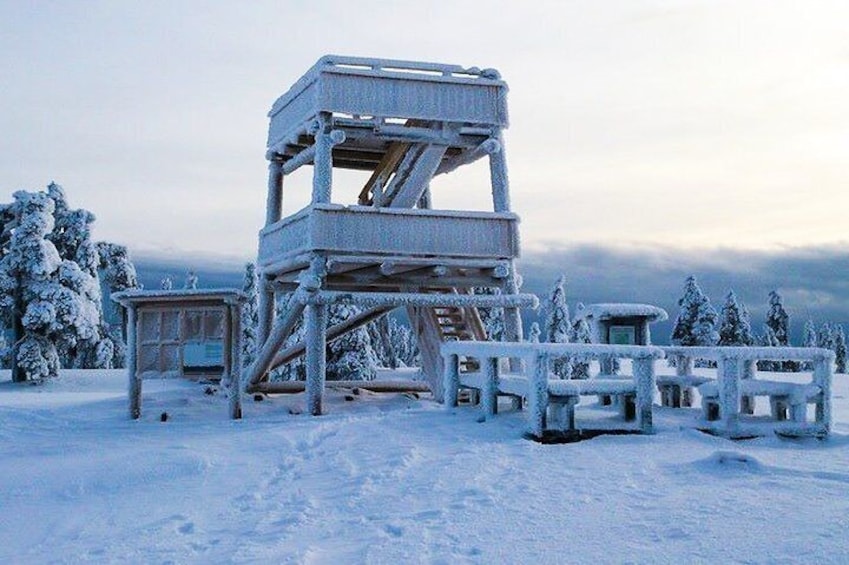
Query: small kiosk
{"points": [[182, 333]]}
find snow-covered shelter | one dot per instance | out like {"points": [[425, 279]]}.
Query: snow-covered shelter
{"points": [[621, 323], [185, 333], [404, 123]]}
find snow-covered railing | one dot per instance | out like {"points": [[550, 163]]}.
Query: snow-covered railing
{"points": [[732, 394], [385, 88], [542, 392]]}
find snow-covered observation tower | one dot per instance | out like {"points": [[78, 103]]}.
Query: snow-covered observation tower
{"points": [[405, 123]]}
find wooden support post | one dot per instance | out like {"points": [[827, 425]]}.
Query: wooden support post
{"points": [[133, 377], [684, 367], [274, 201], [315, 317], [538, 395], [498, 175], [235, 385], [747, 402], [822, 378], [322, 180], [334, 332], [451, 381], [265, 311], [278, 335], [513, 318], [728, 381], [490, 386], [644, 379]]}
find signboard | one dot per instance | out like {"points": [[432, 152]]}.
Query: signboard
{"points": [[622, 335], [203, 354]]}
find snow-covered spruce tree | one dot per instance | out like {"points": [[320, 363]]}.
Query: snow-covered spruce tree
{"points": [[839, 341], [118, 274], [557, 326], [71, 233], [768, 339], [166, 283], [734, 328], [492, 318], [250, 315], [580, 334], [5, 350], [534, 333], [350, 356], [777, 319], [403, 344], [696, 321], [378, 331], [809, 339], [191, 281], [30, 265]]}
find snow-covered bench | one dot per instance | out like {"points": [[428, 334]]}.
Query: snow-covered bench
{"points": [[728, 402], [550, 399]]}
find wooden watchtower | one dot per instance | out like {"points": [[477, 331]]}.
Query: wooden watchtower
{"points": [[405, 122]]}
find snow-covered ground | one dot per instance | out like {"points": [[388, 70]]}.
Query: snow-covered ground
{"points": [[392, 479]]}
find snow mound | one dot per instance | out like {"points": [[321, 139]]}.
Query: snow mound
{"points": [[729, 459]]}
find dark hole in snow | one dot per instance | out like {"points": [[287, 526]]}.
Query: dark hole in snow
{"points": [[209, 391], [574, 436], [163, 417], [349, 397], [258, 398]]}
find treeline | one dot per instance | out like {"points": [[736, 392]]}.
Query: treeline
{"points": [[699, 324], [51, 275]]}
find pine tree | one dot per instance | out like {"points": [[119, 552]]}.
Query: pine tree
{"points": [[191, 281], [350, 356], [492, 318], [378, 331], [250, 315], [5, 351], [809, 339], [769, 339], [558, 327], [696, 321], [166, 283], [778, 320], [734, 324], [403, 343], [580, 334], [825, 337], [839, 341], [534, 333], [118, 274]]}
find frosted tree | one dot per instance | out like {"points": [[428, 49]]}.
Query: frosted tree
{"points": [[825, 337], [492, 318], [557, 326], [734, 328], [534, 333], [769, 339], [71, 233], [30, 265], [351, 356], [696, 321], [839, 341], [250, 315], [403, 343], [118, 274], [191, 281], [381, 342], [580, 334], [777, 319], [5, 351], [166, 283], [809, 339]]}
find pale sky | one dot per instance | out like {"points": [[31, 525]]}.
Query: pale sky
{"points": [[687, 124]]}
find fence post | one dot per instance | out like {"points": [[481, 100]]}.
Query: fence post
{"points": [[729, 392], [490, 386], [822, 378], [538, 395], [451, 380], [747, 403], [644, 379]]}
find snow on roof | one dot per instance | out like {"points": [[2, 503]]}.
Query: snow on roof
{"points": [[622, 310], [139, 296]]}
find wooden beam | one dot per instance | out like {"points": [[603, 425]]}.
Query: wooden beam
{"points": [[382, 172], [333, 332], [294, 387], [375, 299], [278, 335], [488, 147]]}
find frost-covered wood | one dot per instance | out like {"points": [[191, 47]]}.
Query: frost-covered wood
{"points": [[541, 390], [409, 232], [134, 382], [728, 401]]}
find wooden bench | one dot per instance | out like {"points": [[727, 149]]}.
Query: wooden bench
{"points": [[676, 390], [787, 401]]}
